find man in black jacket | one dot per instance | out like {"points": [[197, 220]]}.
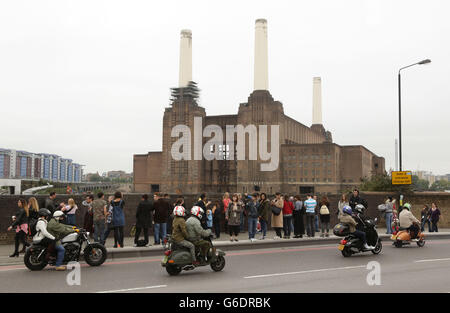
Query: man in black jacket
{"points": [[50, 204], [203, 204], [161, 208], [355, 199], [143, 219]]}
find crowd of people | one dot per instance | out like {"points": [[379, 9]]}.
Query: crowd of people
{"points": [[288, 215]]}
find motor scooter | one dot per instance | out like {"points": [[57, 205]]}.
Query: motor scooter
{"points": [[403, 237]]}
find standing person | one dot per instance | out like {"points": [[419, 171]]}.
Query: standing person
{"points": [[389, 213], [310, 205], [264, 214], [425, 218], [435, 213], [99, 208], [243, 200], [316, 215], [203, 204], [288, 208], [108, 220], [33, 209], [170, 215], [70, 210], [143, 219], [118, 219], [49, 203], [324, 213], [88, 222], [161, 209], [297, 215], [233, 216], [277, 220], [209, 218], [356, 199], [341, 204], [252, 213], [20, 225], [217, 218], [226, 202]]}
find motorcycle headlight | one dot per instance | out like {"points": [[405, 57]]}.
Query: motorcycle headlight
{"points": [[88, 233]]}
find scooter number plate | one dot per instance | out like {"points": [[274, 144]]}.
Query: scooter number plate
{"points": [[166, 258], [341, 247]]}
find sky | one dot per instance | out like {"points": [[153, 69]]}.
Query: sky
{"points": [[89, 80]]}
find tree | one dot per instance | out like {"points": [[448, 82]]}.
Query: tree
{"points": [[419, 184], [440, 185], [382, 182]]}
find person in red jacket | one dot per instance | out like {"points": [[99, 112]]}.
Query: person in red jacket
{"points": [[288, 208]]}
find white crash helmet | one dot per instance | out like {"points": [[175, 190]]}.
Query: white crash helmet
{"points": [[58, 214], [179, 211], [197, 211]]}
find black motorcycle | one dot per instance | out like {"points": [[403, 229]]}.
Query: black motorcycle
{"points": [[43, 253], [351, 244], [178, 258]]}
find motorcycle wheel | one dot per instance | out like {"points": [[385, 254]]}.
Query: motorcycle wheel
{"points": [[346, 253], [421, 242], [398, 244], [378, 248], [31, 262], [219, 264], [95, 254], [173, 270]]}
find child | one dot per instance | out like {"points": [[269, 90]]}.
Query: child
{"points": [[209, 219]]}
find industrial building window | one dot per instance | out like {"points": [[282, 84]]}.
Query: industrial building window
{"points": [[154, 188]]}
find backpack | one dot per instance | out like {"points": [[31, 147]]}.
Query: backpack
{"points": [[32, 227], [324, 210], [141, 243]]}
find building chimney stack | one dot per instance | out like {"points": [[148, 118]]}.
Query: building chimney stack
{"points": [[185, 58], [261, 56], [317, 101]]}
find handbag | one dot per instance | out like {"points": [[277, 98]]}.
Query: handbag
{"points": [[276, 210]]}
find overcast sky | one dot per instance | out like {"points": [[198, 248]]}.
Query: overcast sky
{"points": [[89, 80]]}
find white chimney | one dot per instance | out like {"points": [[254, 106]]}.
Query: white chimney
{"points": [[185, 58], [261, 56], [317, 101]]}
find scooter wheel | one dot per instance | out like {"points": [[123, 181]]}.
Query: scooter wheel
{"points": [[219, 264], [378, 248], [346, 253], [421, 242], [398, 244], [173, 270]]}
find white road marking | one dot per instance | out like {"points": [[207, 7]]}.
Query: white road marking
{"points": [[132, 289], [310, 271], [432, 260]]}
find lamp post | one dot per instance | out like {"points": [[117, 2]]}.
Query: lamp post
{"points": [[426, 61]]}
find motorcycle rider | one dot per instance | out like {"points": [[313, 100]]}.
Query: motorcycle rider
{"points": [[347, 219], [179, 232], [59, 231], [409, 221], [41, 227], [196, 232]]}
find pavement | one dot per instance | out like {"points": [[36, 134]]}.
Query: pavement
{"points": [[223, 243], [297, 269]]}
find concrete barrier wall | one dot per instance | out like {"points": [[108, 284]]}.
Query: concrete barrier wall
{"points": [[8, 207]]}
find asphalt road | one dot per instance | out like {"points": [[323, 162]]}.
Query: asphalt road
{"points": [[319, 268]]}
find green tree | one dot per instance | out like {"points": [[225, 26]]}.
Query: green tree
{"points": [[419, 184], [440, 185], [382, 182]]}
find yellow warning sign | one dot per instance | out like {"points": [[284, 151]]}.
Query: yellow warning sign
{"points": [[401, 178]]}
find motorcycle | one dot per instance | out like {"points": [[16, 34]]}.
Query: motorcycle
{"points": [[403, 237], [41, 253], [351, 244], [179, 258]]}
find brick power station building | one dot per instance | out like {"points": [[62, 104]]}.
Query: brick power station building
{"points": [[308, 159]]}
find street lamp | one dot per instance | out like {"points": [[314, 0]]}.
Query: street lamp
{"points": [[426, 61]]}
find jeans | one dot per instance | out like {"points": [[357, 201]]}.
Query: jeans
{"points": [[325, 227], [263, 227], [59, 255], [434, 227], [242, 222], [160, 232], [310, 224], [361, 235], [118, 236], [422, 225], [99, 230], [108, 228], [71, 219], [389, 223], [252, 223], [216, 225], [298, 223], [316, 223], [20, 237], [287, 219]]}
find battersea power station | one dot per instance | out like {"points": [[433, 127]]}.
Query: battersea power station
{"points": [[258, 149]]}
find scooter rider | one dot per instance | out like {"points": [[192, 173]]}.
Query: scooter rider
{"points": [[197, 233], [409, 221], [179, 231], [59, 231], [347, 219]]}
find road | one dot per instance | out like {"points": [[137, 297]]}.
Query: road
{"points": [[318, 268]]}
